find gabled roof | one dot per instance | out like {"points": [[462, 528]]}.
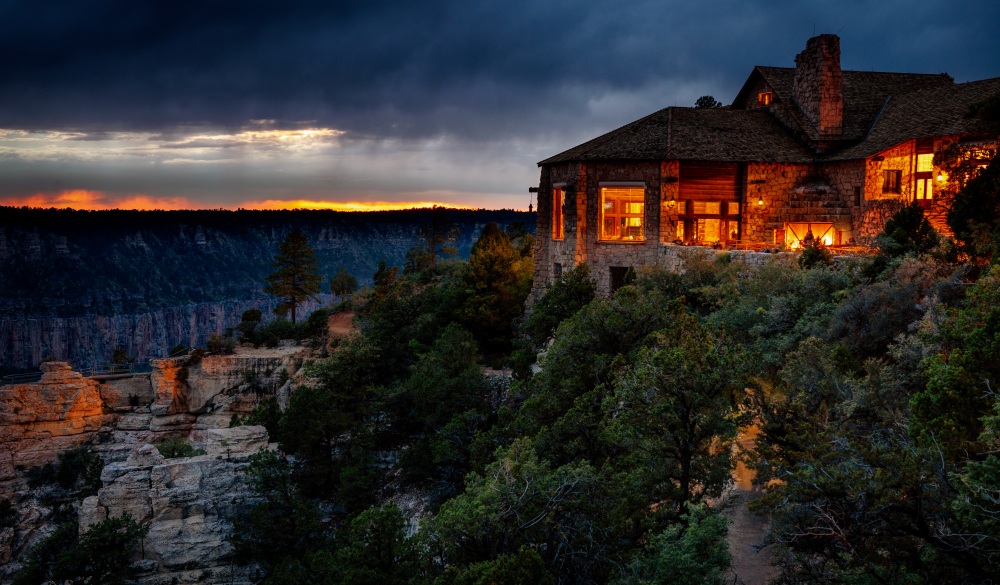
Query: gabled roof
{"points": [[706, 134], [923, 113]]}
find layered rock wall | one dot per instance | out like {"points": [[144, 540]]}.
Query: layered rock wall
{"points": [[91, 339], [188, 504], [38, 421], [117, 419]]}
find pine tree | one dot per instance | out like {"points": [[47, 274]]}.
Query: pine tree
{"points": [[296, 273]]}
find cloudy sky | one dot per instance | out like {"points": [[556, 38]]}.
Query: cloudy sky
{"points": [[217, 103]]}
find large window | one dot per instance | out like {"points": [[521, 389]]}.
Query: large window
{"points": [[558, 200], [797, 235], [622, 209]]}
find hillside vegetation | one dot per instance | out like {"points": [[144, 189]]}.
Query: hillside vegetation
{"points": [[871, 379]]}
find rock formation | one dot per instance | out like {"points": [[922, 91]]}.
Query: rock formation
{"points": [[187, 504], [38, 421]]}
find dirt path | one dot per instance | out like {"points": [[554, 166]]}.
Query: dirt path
{"points": [[747, 533]]}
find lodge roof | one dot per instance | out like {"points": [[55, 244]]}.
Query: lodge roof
{"points": [[706, 134], [923, 113], [865, 92], [881, 110]]}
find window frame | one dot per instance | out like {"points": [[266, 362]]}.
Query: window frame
{"points": [[641, 214], [895, 185], [765, 98], [558, 211]]}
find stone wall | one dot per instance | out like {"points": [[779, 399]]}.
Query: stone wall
{"points": [[899, 158], [876, 214], [796, 193]]}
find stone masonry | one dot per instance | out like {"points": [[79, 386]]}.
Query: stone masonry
{"points": [[818, 88]]}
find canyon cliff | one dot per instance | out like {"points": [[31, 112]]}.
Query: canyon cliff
{"points": [[75, 285], [186, 502]]}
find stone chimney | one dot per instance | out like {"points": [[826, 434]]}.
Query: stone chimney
{"points": [[819, 87]]}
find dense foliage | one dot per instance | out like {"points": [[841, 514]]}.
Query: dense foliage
{"points": [[870, 380]]}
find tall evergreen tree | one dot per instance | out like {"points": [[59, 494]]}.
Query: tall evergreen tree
{"points": [[437, 238], [296, 273]]}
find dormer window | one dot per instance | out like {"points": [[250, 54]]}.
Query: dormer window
{"points": [[764, 98]]}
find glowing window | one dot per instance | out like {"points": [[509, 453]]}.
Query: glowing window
{"points": [[925, 163], [925, 188], [797, 235], [765, 98], [733, 208], [558, 200], [622, 211], [707, 207]]}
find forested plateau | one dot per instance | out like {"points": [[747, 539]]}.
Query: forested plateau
{"points": [[77, 284]]}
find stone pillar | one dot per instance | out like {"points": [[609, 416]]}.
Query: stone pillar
{"points": [[818, 88]]}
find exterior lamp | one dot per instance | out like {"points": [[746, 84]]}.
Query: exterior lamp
{"points": [[672, 203], [940, 177], [760, 201]]}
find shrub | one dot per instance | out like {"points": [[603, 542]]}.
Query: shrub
{"points": [[220, 345], [76, 469], [814, 255], [176, 446]]}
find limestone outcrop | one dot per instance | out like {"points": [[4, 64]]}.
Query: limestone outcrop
{"points": [[117, 419], [187, 504], [40, 420]]}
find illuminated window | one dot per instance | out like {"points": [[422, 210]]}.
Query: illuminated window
{"points": [[924, 177], [765, 98], [924, 188], [622, 213], [733, 208], [797, 234], [891, 181], [558, 200], [707, 207]]}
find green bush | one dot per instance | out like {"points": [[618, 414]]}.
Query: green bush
{"points": [[175, 446], [102, 554], [814, 255], [220, 345], [76, 469]]}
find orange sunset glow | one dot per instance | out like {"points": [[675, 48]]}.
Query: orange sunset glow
{"points": [[98, 201]]}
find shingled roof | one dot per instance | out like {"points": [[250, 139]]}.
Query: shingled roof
{"points": [[923, 113], [705, 134], [864, 94]]}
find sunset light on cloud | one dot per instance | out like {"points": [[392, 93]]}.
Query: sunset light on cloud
{"points": [[96, 201]]}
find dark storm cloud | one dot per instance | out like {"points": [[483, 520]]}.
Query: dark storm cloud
{"points": [[470, 69]]}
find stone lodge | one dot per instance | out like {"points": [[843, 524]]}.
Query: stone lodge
{"points": [[810, 149]]}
